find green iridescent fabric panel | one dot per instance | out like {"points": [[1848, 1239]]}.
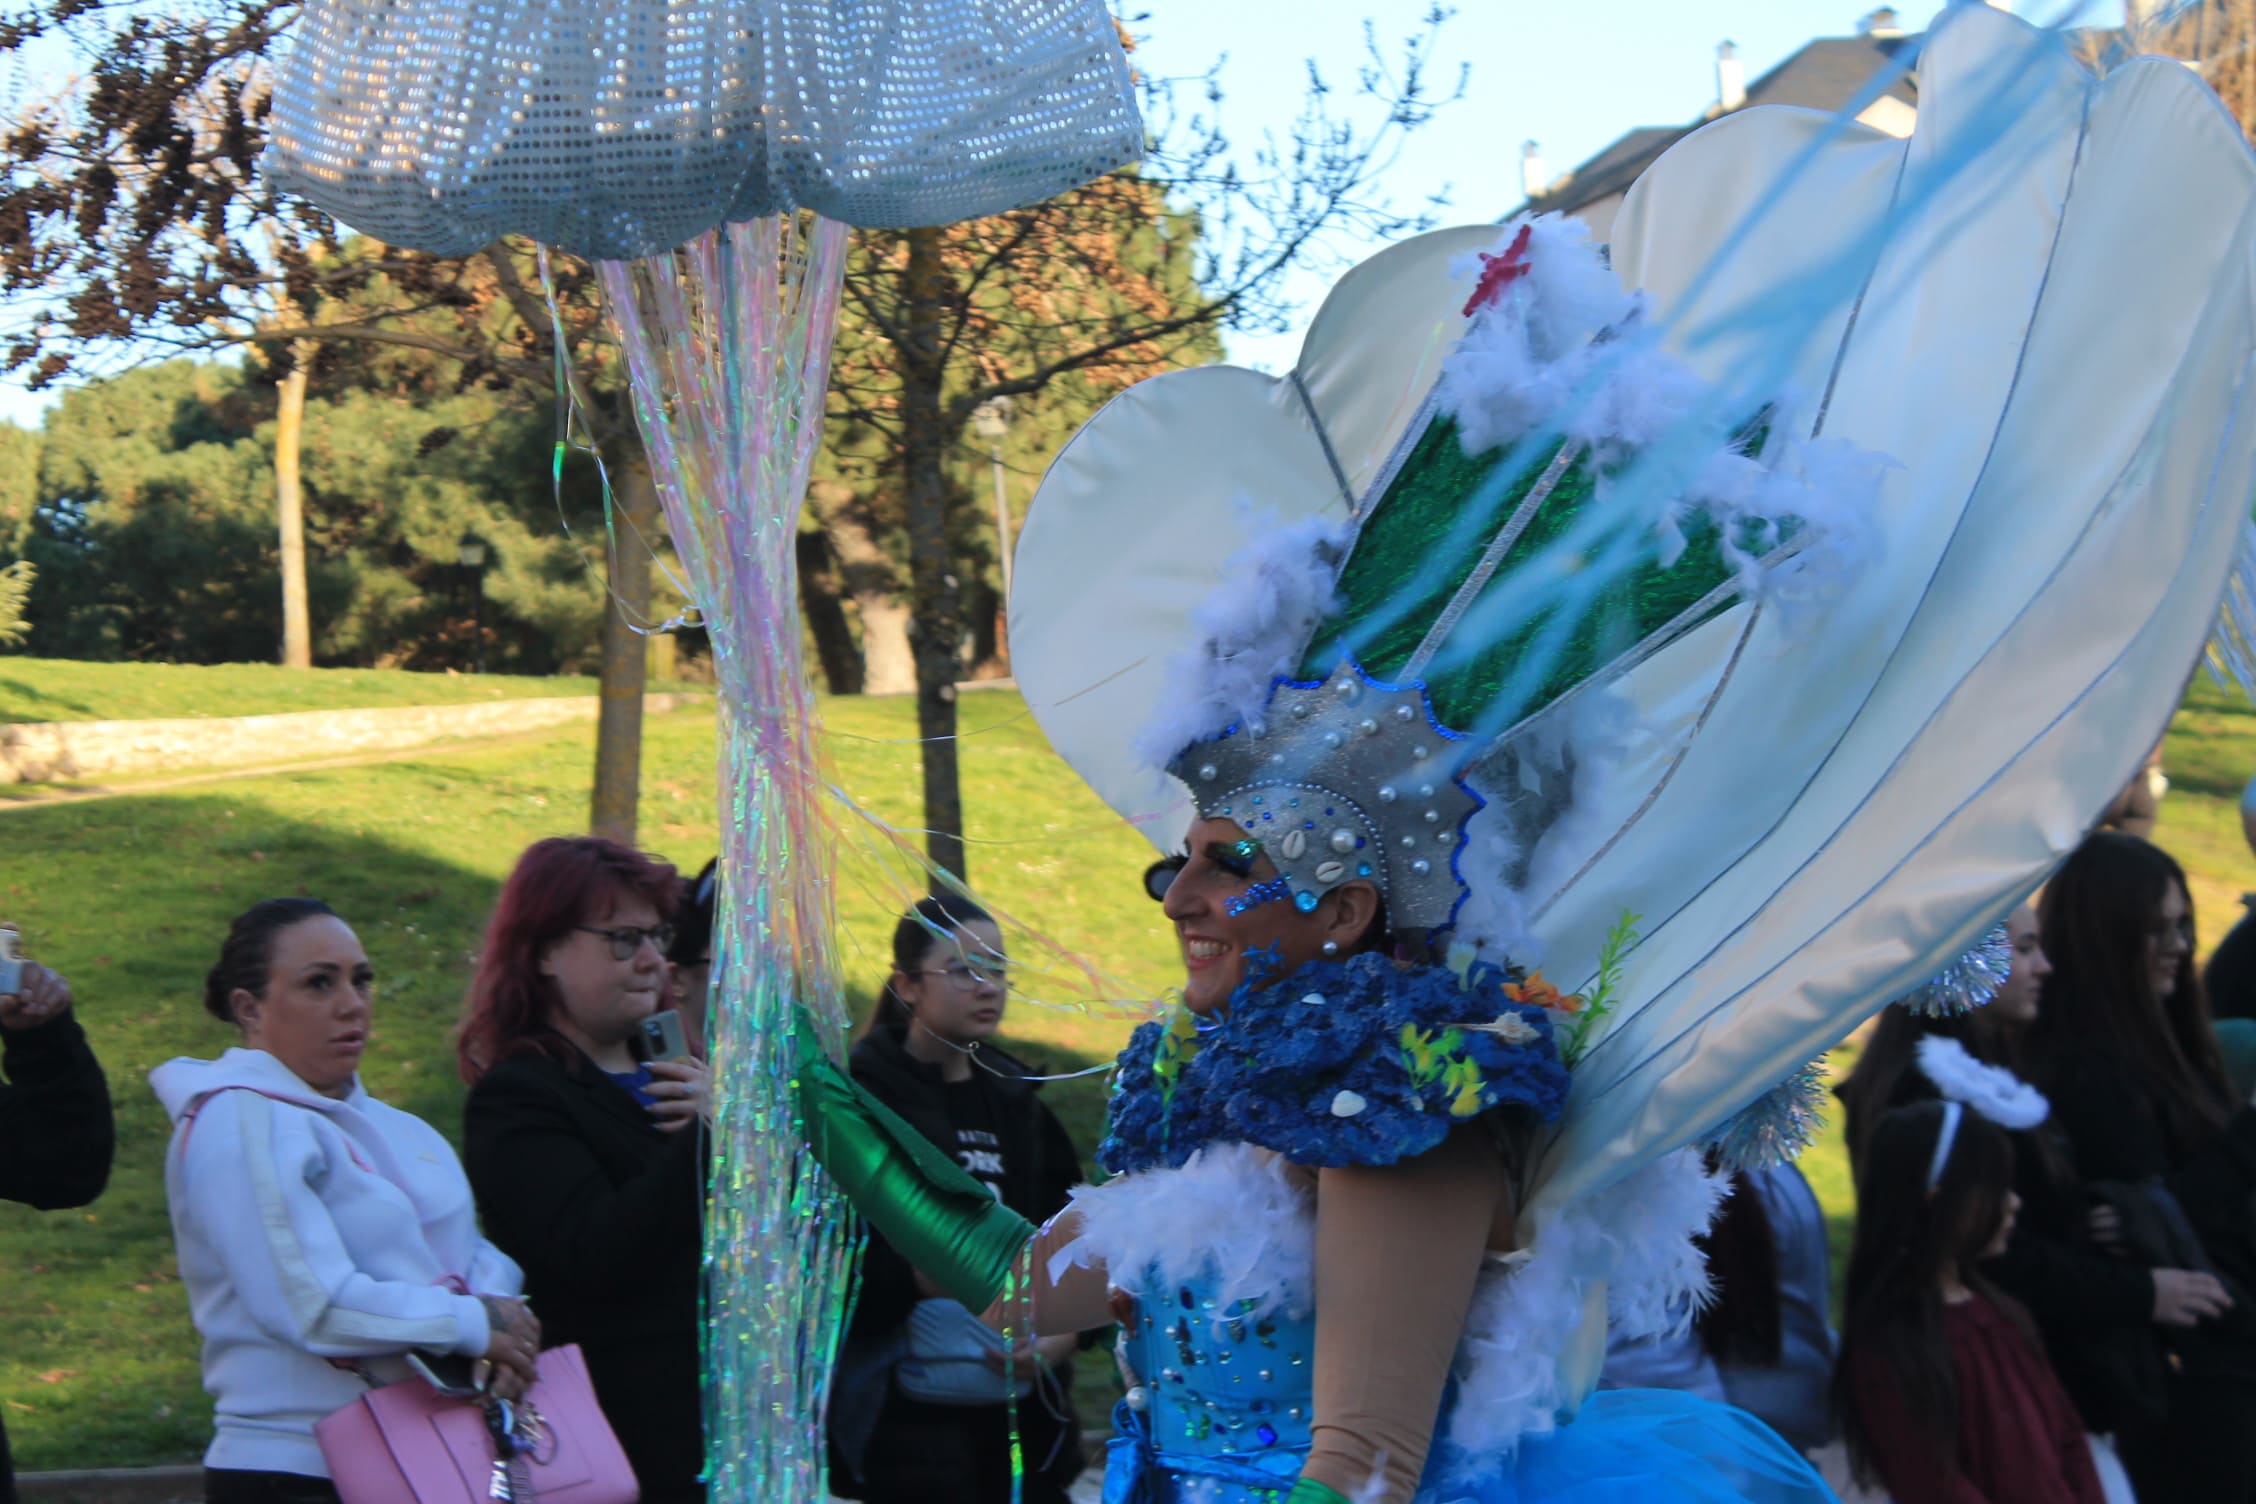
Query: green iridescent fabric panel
{"points": [[1384, 614], [1420, 513]]}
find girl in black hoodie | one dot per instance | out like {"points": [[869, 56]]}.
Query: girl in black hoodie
{"points": [[926, 1055]]}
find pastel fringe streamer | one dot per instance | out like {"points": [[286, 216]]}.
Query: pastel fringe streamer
{"points": [[727, 342]]}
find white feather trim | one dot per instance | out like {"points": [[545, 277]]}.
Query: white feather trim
{"points": [[1230, 1215], [1991, 1090], [1533, 359], [1637, 1237], [1493, 917], [1660, 1277], [1251, 630]]}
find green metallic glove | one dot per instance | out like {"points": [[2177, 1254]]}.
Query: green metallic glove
{"points": [[944, 1222], [1309, 1491]]}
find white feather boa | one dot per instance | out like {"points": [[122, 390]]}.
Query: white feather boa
{"points": [[1230, 1215], [1233, 1216], [1991, 1090], [1635, 1240]]}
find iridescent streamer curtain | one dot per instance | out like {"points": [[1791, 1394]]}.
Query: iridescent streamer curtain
{"points": [[727, 343]]}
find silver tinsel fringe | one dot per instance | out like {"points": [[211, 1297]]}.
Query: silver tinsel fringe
{"points": [[1969, 982], [1777, 1126]]}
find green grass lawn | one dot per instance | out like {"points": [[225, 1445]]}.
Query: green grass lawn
{"points": [[129, 897], [55, 689]]}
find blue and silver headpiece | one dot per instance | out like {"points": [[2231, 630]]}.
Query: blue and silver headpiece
{"points": [[1344, 780]]}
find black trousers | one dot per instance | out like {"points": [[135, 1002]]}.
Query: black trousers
{"points": [[2204, 1451], [228, 1485], [961, 1454]]}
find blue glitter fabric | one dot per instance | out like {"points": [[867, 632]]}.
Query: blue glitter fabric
{"points": [[1361, 1061], [1223, 1399]]}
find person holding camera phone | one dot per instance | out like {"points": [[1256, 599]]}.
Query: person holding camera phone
{"points": [[690, 958], [586, 1148], [56, 1133], [923, 1405], [326, 1239]]}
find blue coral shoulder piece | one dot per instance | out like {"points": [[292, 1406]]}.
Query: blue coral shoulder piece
{"points": [[1360, 1061]]}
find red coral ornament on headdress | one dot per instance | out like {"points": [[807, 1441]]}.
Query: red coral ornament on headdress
{"points": [[1499, 272]]}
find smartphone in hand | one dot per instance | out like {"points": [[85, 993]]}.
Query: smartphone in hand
{"points": [[451, 1374], [11, 962], [663, 1038]]}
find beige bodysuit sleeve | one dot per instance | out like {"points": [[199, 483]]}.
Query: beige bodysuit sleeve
{"points": [[1079, 1299], [1397, 1251]]}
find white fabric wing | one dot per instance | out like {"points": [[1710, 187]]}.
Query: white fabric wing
{"points": [[2055, 341]]}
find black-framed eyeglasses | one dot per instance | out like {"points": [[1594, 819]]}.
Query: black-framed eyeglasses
{"points": [[1160, 875], [627, 939]]}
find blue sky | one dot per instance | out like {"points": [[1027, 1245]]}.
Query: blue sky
{"points": [[1571, 75]]}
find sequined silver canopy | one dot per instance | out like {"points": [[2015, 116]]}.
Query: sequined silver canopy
{"points": [[621, 128]]}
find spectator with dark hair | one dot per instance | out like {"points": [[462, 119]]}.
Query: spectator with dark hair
{"points": [[1887, 1072], [923, 1409], [589, 1163], [1767, 1328], [322, 1235], [2230, 978], [56, 1134], [2153, 1134], [689, 959], [1943, 1392]]}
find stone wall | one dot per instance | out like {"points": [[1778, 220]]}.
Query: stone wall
{"points": [[44, 751]]}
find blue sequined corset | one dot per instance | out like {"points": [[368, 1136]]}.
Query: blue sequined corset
{"points": [[1221, 1403]]}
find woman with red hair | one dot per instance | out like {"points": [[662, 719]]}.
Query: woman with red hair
{"points": [[589, 1162]]}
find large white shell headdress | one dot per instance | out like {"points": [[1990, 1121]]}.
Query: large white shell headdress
{"points": [[1813, 797]]}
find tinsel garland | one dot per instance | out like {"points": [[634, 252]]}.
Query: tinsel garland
{"points": [[1969, 982], [1778, 1126]]}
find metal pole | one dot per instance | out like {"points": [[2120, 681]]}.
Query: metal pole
{"points": [[1002, 515]]}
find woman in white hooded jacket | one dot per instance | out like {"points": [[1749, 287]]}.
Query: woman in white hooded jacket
{"points": [[321, 1234]]}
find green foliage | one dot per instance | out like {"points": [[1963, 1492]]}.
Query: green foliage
{"points": [[154, 528], [19, 485], [15, 596]]}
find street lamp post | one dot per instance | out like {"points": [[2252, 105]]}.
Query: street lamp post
{"points": [[991, 421], [471, 552]]}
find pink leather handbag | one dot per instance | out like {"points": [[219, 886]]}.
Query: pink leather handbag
{"points": [[408, 1444]]}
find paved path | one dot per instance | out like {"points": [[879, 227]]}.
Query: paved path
{"points": [[15, 797]]}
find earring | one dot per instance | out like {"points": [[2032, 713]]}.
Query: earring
{"points": [[1331, 947]]}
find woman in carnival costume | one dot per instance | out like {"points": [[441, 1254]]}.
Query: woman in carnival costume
{"points": [[1528, 622]]}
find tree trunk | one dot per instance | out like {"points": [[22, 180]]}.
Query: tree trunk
{"points": [[933, 598], [888, 665], [289, 509], [626, 658], [872, 583], [826, 614]]}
